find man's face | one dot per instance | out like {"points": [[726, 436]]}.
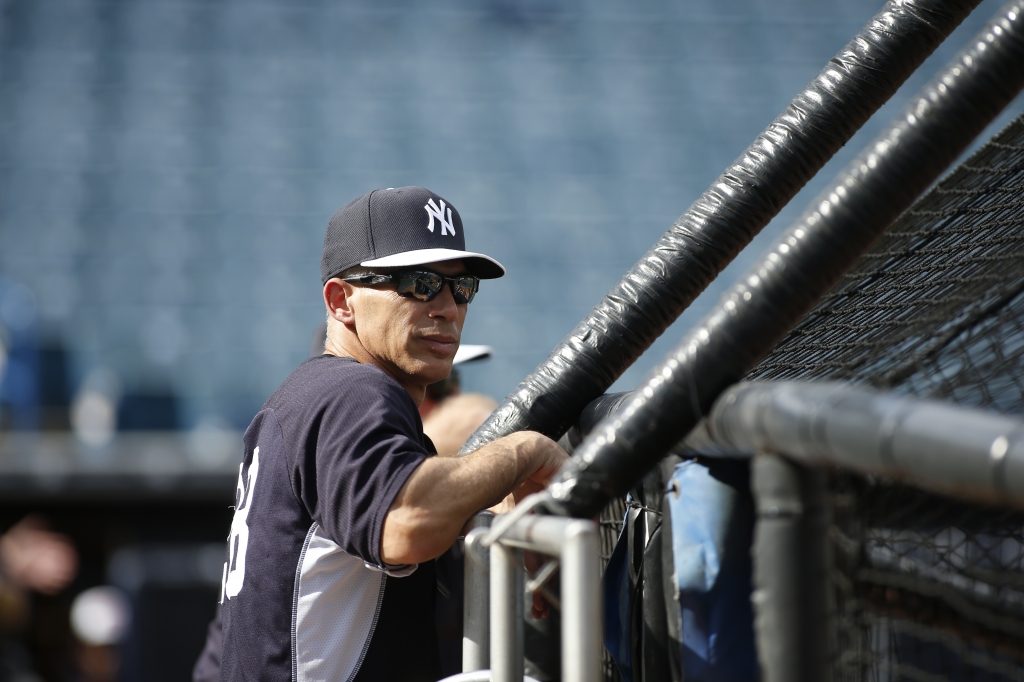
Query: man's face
{"points": [[414, 340]]}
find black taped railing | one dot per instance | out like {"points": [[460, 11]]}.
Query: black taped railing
{"points": [[801, 266], [820, 120]]}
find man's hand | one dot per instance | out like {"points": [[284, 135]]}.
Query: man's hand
{"points": [[549, 460]]}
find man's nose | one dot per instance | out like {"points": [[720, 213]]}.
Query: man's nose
{"points": [[444, 305]]}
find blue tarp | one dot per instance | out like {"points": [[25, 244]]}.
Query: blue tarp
{"points": [[712, 516]]}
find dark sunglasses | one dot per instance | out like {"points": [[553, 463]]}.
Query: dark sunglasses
{"points": [[423, 284]]}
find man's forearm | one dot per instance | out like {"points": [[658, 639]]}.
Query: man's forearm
{"points": [[443, 492]]}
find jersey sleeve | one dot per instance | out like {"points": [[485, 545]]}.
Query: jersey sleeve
{"points": [[368, 444]]}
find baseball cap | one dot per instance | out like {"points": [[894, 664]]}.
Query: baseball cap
{"points": [[399, 227]]}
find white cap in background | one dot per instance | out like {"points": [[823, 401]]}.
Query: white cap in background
{"points": [[469, 352]]}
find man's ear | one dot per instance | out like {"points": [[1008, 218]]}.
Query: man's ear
{"points": [[338, 299]]}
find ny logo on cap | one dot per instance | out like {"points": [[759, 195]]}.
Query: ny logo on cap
{"points": [[434, 212]]}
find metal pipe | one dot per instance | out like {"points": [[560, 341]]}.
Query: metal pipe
{"points": [[819, 120], [506, 614], [800, 267], [576, 543], [655, 658], [790, 571], [479, 676], [951, 449], [540, 533], [581, 603], [476, 599]]}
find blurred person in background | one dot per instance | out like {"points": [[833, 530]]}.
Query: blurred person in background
{"points": [[449, 418], [455, 418], [99, 620], [32, 559]]}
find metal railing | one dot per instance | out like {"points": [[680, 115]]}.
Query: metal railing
{"points": [[495, 592], [795, 432], [965, 452], [799, 428], [796, 429]]}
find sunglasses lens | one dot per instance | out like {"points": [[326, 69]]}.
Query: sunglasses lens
{"points": [[426, 285], [421, 285], [464, 288]]}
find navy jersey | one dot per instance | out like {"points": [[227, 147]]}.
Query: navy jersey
{"points": [[306, 596]]}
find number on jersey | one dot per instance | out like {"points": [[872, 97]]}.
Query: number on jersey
{"points": [[234, 568]]}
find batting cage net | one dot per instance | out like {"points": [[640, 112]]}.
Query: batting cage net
{"points": [[925, 587], [936, 307], [610, 525]]}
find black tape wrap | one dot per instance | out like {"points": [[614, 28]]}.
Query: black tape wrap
{"points": [[854, 84], [801, 266]]}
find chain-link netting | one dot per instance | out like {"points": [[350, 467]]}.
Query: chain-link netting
{"points": [[925, 587], [610, 525], [937, 307]]}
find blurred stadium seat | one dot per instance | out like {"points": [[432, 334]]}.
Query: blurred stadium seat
{"points": [[167, 169]]}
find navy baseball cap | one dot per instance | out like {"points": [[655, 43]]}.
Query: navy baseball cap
{"points": [[399, 227]]}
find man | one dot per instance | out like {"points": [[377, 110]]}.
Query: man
{"points": [[340, 507]]}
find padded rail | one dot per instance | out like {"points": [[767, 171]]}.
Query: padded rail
{"points": [[663, 283], [841, 224]]}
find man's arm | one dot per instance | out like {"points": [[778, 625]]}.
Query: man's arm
{"points": [[443, 492]]}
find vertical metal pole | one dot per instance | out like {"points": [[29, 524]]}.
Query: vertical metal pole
{"points": [[506, 615], [655, 652], [790, 571], [476, 600], [581, 604]]}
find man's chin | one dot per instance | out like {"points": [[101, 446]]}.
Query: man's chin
{"points": [[431, 370]]}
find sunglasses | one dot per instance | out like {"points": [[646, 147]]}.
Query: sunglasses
{"points": [[423, 284]]}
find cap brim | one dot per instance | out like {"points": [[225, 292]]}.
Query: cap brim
{"points": [[477, 264], [468, 352]]}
